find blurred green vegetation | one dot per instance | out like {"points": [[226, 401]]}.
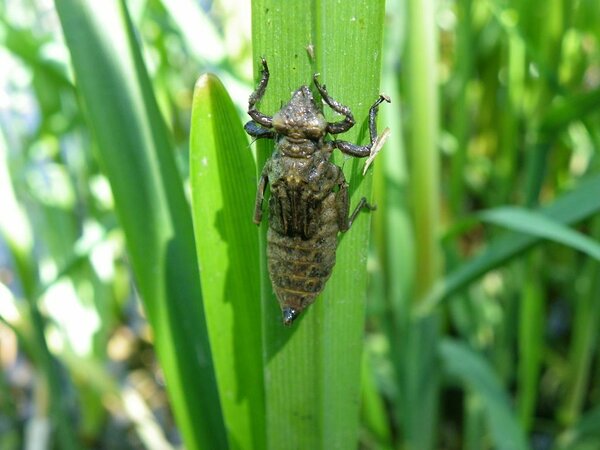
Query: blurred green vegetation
{"points": [[482, 315]]}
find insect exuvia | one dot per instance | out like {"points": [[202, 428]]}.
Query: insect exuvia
{"points": [[309, 201]]}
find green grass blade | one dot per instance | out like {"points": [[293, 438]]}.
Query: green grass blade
{"points": [[14, 226], [568, 109], [373, 411], [460, 119], [136, 155], [463, 363], [585, 434], [15, 229], [568, 209], [291, 374], [396, 242], [419, 379], [423, 143], [415, 346], [538, 225], [223, 180], [348, 35], [531, 339], [584, 340], [313, 369]]}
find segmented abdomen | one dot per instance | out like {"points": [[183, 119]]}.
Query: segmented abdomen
{"points": [[299, 268]]}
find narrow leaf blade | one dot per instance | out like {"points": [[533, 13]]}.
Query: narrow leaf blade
{"points": [[541, 226], [313, 368], [585, 434], [223, 181], [461, 362], [135, 153], [570, 208]]}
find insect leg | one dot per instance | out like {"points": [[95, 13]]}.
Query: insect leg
{"points": [[258, 131], [256, 96], [361, 151], [343, 125], [362, 204], [260, 193], [373, 110], [358, 151], [342, 204]]}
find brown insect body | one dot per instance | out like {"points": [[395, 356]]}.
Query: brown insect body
{"points": [[309, 197]]}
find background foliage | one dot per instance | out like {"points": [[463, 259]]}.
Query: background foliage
{"points": [[479, 327]]}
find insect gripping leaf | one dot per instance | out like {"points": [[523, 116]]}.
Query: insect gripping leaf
{"points": [[309, 195]]}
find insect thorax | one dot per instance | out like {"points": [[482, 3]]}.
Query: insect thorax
{"points": [[297, 148], [299, 187]]}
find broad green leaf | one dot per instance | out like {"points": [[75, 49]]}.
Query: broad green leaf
{"points": [[463, 363], [223, 181], [137, 157], [570, 208], [312, 370], [539, 225]]}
